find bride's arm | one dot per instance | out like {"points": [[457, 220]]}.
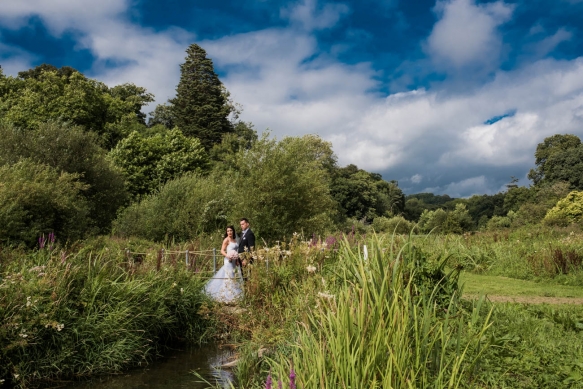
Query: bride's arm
{"points": [[224, 247]]}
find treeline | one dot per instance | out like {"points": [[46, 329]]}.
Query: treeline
{"points": [[554, 198], [79, 158]]}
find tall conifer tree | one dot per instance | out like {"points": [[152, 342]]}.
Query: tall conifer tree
{"points": [[201, 106]]}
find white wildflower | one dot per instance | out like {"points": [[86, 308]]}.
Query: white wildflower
{"points": [[174, 284], [28, 302], [311, 269], [60, 326], [326, 295], [181, 290]]}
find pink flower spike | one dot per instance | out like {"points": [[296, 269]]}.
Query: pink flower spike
{"points": [[292, 378], [268, 381]]}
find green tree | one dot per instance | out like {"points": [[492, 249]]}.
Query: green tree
{"points": [[242, 138], [568, 210], [149, 161], [361, 194], [546, 150], [282, 187], [163, 114], [201, 107], [70, 149], [47, 94], [37, 199]]}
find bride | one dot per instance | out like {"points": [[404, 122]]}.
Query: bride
{"points": [[226, 286]]}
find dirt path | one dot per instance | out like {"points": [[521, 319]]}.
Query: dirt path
{"points": [[529, 299]]}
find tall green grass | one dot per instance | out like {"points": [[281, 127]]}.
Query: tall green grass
{"points": [[386, 325], [90, 312]]}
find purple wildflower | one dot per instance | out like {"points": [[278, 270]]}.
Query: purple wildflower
{"points": [[292, 378], [268, 381], [51, 240], [279, 384], [42, 241]]}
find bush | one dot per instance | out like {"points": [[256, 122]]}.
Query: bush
{"points": [[397, 224], [36, 199], [281, 187], [205, 205], [567, 211], [440, 221], [72, 150], [150, 161], [89, 313]]}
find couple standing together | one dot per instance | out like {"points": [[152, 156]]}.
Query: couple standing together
{"points": [[226, 285]]}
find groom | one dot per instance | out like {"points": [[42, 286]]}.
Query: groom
{"points": [[247, 243]]}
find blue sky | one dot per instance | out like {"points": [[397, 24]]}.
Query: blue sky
{"points": [[444, 96]]}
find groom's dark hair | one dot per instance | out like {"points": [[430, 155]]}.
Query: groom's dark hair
{"points": [[244, 219]]}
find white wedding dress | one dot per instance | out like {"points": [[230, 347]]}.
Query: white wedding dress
{"points": [[226, 286]]}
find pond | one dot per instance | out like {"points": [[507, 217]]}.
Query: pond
{"points": [[171, 372]]}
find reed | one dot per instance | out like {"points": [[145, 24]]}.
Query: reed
{"points": [[91, 312], [385, 327]]}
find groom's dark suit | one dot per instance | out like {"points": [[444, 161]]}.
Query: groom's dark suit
{"points": [[247, 242]]}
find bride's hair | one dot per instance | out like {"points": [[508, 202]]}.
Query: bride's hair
{"points": [[234, 232]]}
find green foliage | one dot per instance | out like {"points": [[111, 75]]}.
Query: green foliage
{"points": [[568, 210], [396, 224], [67, 315], [500, 222], [149, 161], [201, 107], [282, 187], [440, 221], [163, 115], [415, 204], [551, 153], [181, 209], [37, 199], [71, 150], [379, 328], [361, 194], [481, 207], [243, 137], [516, 197], [44, 94]]}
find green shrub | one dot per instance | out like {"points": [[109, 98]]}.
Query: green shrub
{"points": [[69, 315], [37, 199], [72, 150], [567, 211], [181, 209], [397, 224], [282, 187], [440, 221], [149, 161]]}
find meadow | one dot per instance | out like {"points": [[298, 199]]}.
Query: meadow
{"points": [[408, 313]]}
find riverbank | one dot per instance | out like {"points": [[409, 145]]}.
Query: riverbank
{"points": [[91, 310]]}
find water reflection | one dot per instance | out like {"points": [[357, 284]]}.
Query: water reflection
{"points": [[172, 372]]}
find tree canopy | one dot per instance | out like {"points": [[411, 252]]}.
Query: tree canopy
{"points": [[47, 94], [201, 107]]}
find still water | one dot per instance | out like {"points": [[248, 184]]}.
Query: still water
{"points": [[171, 372]]}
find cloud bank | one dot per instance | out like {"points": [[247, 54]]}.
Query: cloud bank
{"points": [[439, 138]]}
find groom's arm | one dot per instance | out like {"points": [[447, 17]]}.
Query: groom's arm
{"points": [[251, 240]]}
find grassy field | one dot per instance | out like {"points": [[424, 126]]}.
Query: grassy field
{"points": [[477, 284]]}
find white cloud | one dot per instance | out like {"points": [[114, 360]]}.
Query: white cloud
{"points": [[310, 16], [466, 34], [548, 44], [287, 84], [464, 188], [416, 179]]}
